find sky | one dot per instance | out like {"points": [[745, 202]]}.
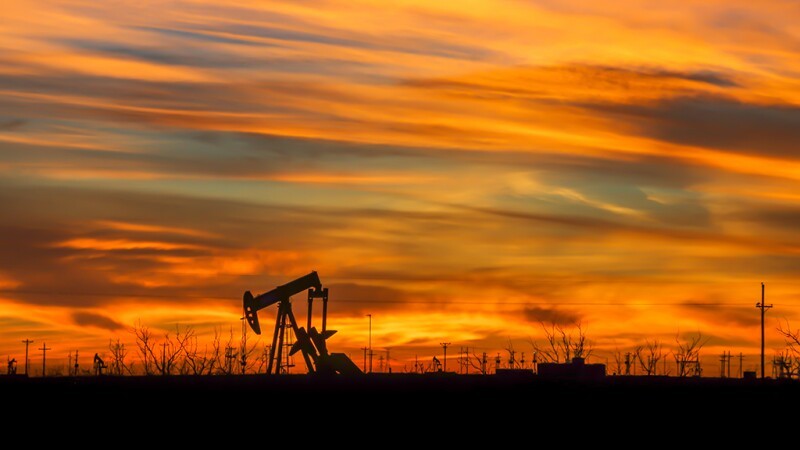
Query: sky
{"points": [[464, 172]]}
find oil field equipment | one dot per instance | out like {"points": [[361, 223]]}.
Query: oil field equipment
{"points": [[309, 341]]}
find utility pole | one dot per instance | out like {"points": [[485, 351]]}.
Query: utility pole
{"points": [[722, 367], [75, 373], [741, 361], [164, 358], [444, 345], [365, 358], [764, 307], [370, 342], [27, 342], [729, 363], [44, 350], [243, 359]]}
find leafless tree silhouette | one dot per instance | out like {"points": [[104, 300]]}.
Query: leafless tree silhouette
{"points": [[118, 354], [163, 358], [622, 362], [171, 350], [562, 345], [789, 360], [792, 337], [225, 357], [262, 359], [478, 363], [247, 361], [512, 361], [648, 355], [687, 355], [196, 362], [144, 344]]}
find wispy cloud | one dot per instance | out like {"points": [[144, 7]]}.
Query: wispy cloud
{"points": [[96, 320]]}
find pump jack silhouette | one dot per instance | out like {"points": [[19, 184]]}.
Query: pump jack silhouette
{"points": [[310, 342]]}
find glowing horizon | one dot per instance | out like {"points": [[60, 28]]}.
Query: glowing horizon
{"points": [[463, 172]]}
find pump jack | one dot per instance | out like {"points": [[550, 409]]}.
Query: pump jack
{"points": [[310, 341]]}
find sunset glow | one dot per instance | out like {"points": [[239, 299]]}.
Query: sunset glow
{"points": [[462, 171]]}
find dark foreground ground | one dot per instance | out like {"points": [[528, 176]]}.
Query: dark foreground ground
{"points": [[518, 407], [453, 388]]}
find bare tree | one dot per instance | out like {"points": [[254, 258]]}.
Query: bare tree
{"points": [[196, 362], [562, 345], [648, 355], [144, 344], [478, 363], [792, 337], [247, 360], [118, 354], [262, 360], [512, 362], [161, 357], [622, 362], [171, 350], [785, 365], [687, 355], [789, 360], [225, 359]]}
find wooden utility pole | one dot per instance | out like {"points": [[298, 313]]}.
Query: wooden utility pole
{"points": [[741, 361], [164, 358], [370, 342], [365, 358], [44, 350], [764, 307], [27, 342], [444, 345]]}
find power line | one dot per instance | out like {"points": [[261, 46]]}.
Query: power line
{"points": [[417, 302]]}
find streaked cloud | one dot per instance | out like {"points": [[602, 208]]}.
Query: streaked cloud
{"points": [[96, 320]]}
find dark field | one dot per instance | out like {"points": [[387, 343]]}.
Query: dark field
{"points": [[377, 397]]}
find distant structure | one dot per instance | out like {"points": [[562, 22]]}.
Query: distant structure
{"points": [[99, 365], [763, 307], [27, 342], [311, 343], [577, 369], [76, 367], [44, 350], [12, 366], [437, 365]]}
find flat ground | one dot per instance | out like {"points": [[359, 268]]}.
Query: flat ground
{"points": [[416, 402]]}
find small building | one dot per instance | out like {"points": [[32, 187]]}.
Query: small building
{"points": [[577, 369]]}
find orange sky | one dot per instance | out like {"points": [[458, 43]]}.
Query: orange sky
{"points": [[460, 170]]}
